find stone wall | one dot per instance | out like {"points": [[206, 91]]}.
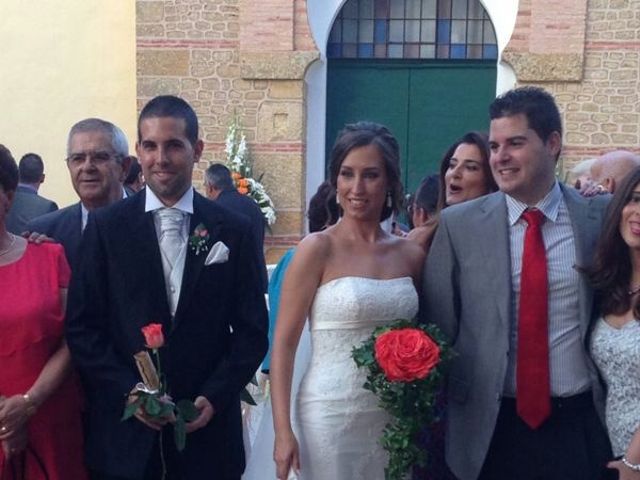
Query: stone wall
{"points": [[600, 98], [237, 58]]}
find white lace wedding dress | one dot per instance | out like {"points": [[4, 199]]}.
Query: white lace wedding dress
{"points": [[337, 422]]}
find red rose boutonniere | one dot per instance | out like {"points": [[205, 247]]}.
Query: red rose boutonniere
{"points": [[199, 240], [405, 362]]}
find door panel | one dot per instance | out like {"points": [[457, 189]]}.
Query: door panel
{"points": [[426, 105]]}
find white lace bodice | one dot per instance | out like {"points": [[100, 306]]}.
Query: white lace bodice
{"points": [[616, 352], [339, 421]]}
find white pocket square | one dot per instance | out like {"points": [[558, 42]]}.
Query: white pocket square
{"points": [[219, 253]]}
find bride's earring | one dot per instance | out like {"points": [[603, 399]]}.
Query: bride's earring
{"points": [[389, 200], [337, 199]]}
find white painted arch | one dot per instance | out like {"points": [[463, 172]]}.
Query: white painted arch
{"points": [[321, 15]]}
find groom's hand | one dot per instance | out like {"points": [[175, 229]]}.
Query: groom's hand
{"points": [[155, 422], [206, 413]]}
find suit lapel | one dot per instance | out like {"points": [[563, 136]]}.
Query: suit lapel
{"points": [[494, 242], [147, 253], [193, 265]]}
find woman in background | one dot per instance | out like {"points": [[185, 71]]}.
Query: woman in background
{"points": [[40, 404], [465, 173]]}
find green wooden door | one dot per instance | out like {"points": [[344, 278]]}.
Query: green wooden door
{"points": [[427, 105]]}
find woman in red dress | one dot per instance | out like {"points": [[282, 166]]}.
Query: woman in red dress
{"points": [[40, 400]]}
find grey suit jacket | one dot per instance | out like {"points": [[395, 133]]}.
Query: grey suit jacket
{"points": [[27, 205], [65, 226], [467, 288]]}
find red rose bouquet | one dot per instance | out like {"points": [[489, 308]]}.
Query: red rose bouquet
{"points": [[405, 363]]}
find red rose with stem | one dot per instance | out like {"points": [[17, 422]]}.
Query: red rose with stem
{"points": [[406, 354]]}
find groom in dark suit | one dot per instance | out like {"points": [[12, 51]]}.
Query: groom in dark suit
{"points": [[505, 281], [138, 265]]}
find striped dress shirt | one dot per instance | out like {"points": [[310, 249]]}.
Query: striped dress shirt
{"points": [[567, 356]]}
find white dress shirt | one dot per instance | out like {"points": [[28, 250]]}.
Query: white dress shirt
{"points": [[172, 276]]}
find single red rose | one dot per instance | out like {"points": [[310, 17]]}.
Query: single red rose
{"points": [[153, 336], [406, 354], [203, 233]]}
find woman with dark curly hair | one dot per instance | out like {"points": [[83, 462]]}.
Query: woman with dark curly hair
{"points": [[40, 402], [615, 340]]}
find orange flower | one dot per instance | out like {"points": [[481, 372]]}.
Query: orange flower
{"points": [[243, 190], [236, 176], [243, 182]]}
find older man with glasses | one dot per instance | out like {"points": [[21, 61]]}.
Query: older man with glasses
{"points": [[98, 162]]}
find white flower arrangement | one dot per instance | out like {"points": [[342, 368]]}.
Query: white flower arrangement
{"points": [[236, 151]]}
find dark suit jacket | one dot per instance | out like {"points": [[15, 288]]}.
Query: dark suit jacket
{"points": [[214, 343], [467, 290], [27, 204], [235, 201], [65, 226]]}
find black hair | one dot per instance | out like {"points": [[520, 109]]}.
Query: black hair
{"points": [[8, 170], [536, 104], [174, 107]]}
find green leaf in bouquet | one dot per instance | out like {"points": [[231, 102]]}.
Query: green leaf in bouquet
{"points": [[246, 397], [180, 432], [130, 409], [152, 406], [187, 410]]}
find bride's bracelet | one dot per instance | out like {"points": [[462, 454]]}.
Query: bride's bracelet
{"points": [[633, 466]]}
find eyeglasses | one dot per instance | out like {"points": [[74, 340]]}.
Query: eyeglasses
{"points": [[96, 158]]}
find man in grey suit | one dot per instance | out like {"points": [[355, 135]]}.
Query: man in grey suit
{"points": [[522, 392], [98, 164], [27, 204]]}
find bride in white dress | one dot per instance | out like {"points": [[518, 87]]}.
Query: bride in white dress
{"points": [[348, 279]]}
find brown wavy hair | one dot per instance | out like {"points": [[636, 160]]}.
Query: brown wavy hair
{"points": [[611, 271]]}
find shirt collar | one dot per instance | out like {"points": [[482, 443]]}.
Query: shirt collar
{"points": [[549, 205], [28, 186], [152, 202]]}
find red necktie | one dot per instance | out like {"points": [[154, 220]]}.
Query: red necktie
{"points": [[532, 369]]}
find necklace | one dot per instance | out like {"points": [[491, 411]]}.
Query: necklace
{"points": [[634, 290], [8, 249]]}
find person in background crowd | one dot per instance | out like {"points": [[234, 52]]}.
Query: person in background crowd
{"points": [[134, 182], [502, 286], [168, 256], [220, 188], [609, 170], [423, 208], [615, 339], [465, 173], [40, 400], [98, 162], [347, 279], [579, 177], [27, 204]]}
